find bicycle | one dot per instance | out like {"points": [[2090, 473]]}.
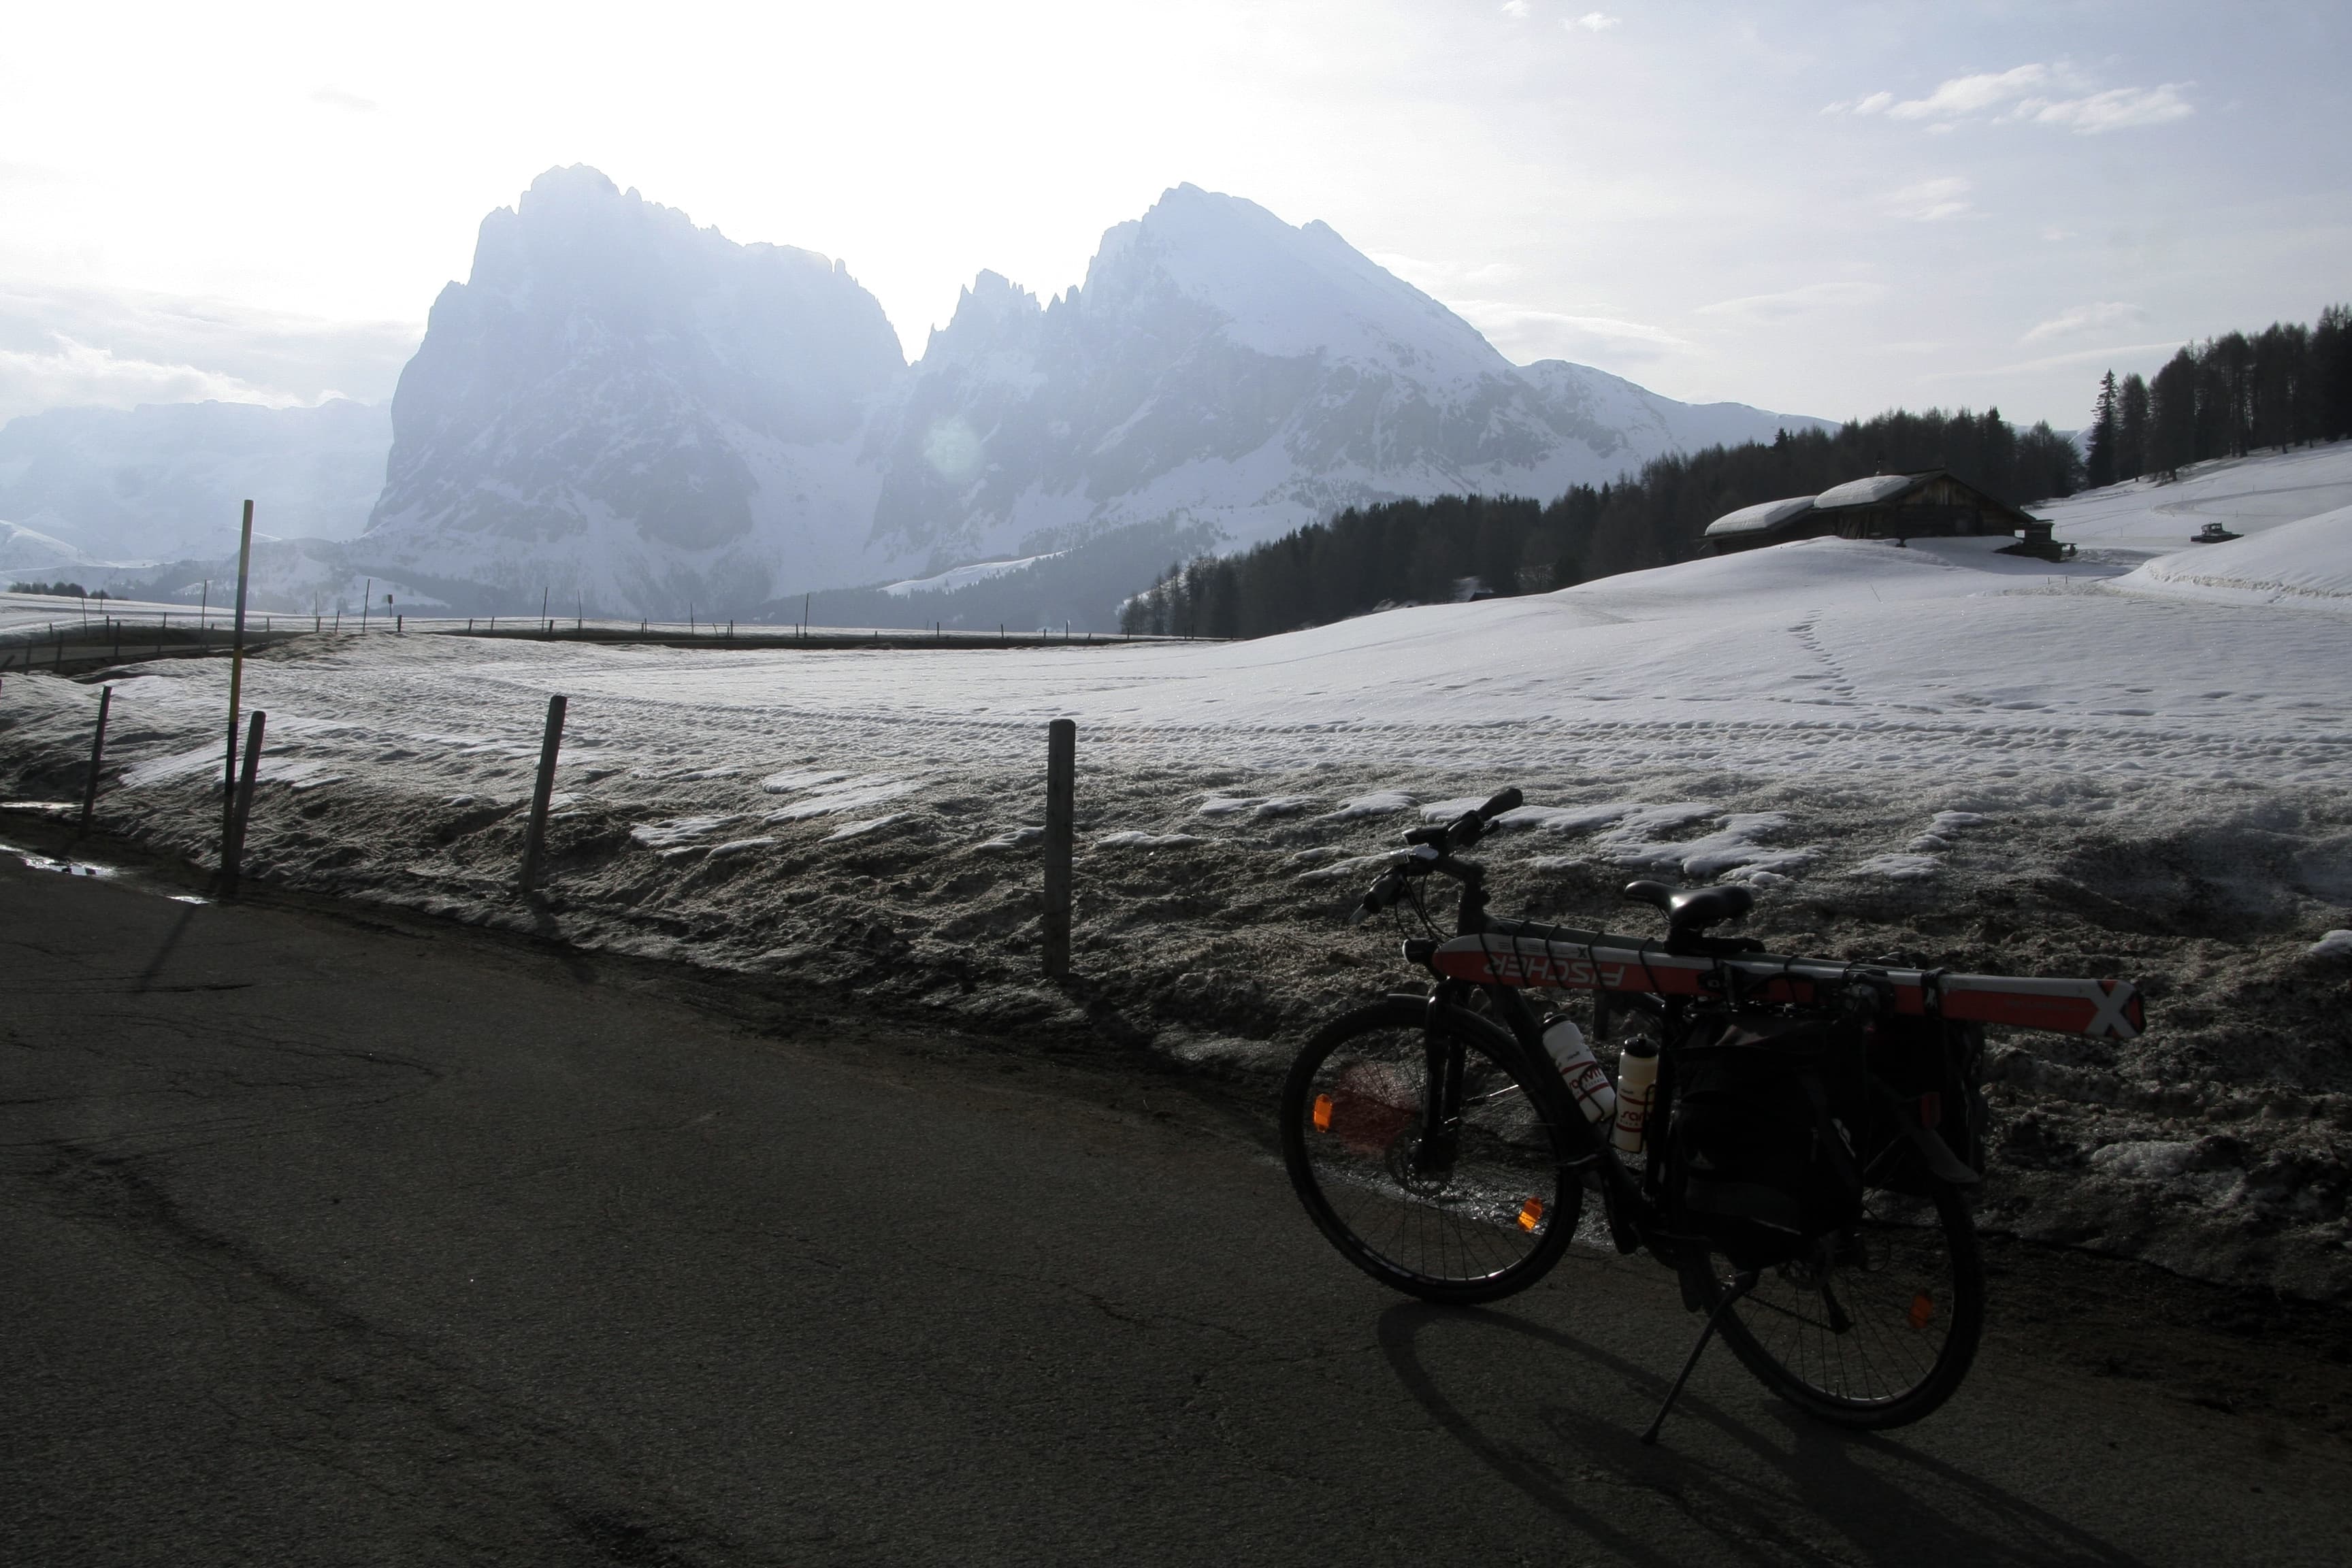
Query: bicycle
{"points": [[1803, 1161]]}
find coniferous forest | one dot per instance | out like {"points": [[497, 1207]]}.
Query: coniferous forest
{"points": [[2227, 396], [1424, 552]]}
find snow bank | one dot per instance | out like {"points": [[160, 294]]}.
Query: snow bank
{"points": [[2306, 563]]}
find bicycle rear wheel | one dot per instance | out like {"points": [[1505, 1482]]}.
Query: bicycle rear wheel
{"points": [[1879, 1326], [1468, 1206]]}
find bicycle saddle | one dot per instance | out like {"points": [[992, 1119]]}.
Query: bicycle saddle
{"points": [[1693, 910]]}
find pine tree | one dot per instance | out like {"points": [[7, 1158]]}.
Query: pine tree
{"points": [[2331, 366], [2101, 458], [2131, 429], [2172, 415]]}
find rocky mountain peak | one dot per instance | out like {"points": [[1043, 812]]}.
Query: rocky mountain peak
{"points": [[626, 406]]}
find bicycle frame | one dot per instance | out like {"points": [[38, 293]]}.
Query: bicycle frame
{"points": [[1630, 1205]]}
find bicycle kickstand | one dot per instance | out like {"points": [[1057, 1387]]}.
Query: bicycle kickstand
{"points": [[1741, 1283]]}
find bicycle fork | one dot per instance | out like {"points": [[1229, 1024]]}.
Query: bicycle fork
{"points": [[1441, 1109]]}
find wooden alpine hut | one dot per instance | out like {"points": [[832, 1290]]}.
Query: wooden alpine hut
{"points": [[1933, 505]]}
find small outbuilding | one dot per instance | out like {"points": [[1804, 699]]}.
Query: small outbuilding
{"points": [[1933, 505]]}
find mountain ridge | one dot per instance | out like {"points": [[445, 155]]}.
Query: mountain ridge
{"points": [[1218, 372]]}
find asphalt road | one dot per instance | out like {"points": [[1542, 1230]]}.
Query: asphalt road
{"points": [[331, 1241]]}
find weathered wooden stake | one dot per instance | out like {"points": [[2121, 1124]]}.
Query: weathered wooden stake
{"points": [[1061, 822], [241, 808], [535, 836], [96, 756]]}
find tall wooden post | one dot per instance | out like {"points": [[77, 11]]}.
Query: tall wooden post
{"points": [[241, 812], [1061, 826], [97, 757], [535, 836], [235, 680]]}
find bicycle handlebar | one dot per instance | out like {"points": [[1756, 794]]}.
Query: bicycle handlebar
{"points": [[1500, 802], [1432, 851]]}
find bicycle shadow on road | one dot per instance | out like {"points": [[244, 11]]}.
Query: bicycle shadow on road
{"points": [[1809, 1491]]}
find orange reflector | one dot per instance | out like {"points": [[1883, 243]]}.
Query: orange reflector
{"points": [[1923, 1307], [1531, 1213], [1322, 1113]]}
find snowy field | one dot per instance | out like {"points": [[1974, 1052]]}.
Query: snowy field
{"points": [[2136, 763]]}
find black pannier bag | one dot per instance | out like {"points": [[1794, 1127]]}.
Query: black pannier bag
{"points": [[1931, 1073], [1761, 1139]]}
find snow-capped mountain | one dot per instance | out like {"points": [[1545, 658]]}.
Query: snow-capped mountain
{"points": [[1220, 366], [164, 481], [621, 407]]}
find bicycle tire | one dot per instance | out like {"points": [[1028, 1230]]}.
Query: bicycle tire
{"points": [[1493, 1219], [1913, 1294]]}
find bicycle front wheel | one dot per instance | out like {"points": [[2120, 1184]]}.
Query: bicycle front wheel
{"points": [[1879, 1325], [1426, 1155]]}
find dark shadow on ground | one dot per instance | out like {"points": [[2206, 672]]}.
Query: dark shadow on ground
{"points": [[1794, 1494]]}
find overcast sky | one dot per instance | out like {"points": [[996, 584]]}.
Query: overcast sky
{"points": [[1816, 208]]}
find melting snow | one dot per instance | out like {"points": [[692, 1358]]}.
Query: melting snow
{"points": [[859, 829], [1380, 803], [677, 830]]}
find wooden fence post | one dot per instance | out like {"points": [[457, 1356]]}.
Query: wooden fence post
{"points": [[1060, 821], [96, 756], [232, 840], [236, 685], [535, 836]]}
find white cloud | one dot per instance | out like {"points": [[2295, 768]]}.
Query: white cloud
{"points": [[1442, 278], [62, 346], [2029, 94], [1524, 334], [1595, 22], [2106, 354], [1518, 8], [338, 98], [1930, 201], [1789, 303], [2118, 109], [2084, 319], [1874, 104], [77, 373], [1964, 95]]}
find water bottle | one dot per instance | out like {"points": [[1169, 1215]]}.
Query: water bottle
{"points": [[1637, 1091], [1587, 1080]]}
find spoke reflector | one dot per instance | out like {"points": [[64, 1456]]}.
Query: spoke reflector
{"points": [[1922, 1307], [1322, 1113], [1531, 1213]]}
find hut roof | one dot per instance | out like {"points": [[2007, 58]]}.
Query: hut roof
{"points": [[1760, 518], [1872, 492]]}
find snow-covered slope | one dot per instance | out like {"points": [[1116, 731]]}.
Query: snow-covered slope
{"points": [[622, 406], [165, 481], [2245, 495], [27, 552]]}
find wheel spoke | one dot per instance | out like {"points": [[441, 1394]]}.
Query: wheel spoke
{"points": [[1354, 1139], [1911, 1298]]}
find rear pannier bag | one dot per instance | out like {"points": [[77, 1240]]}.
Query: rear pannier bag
{"points": [[1933, 1071], [1761, 1140]]}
